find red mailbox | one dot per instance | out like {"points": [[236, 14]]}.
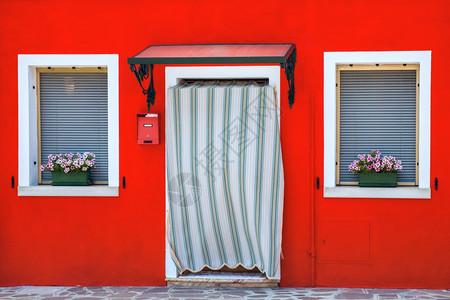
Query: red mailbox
{"points": [[148, 128]]}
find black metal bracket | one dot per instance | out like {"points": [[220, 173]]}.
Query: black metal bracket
{"points": [[436, 182], [124, 182], [12, 182], [289, 67], [317, 183], [142, 74]]}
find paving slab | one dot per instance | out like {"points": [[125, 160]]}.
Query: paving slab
{"points": [[221, 293]]}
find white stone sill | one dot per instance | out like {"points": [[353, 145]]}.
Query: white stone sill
{"points": [[384, 193], [68, 191]]}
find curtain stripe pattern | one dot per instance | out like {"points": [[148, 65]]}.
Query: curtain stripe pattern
{"points": [[378, 111], [74, 117], [224, 176]]}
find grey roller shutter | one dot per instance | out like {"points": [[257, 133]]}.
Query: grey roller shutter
{"points": [[74, 117], [378, 111]]}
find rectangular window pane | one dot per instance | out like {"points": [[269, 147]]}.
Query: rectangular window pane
{"points": [[74, 117], [378, 111]]}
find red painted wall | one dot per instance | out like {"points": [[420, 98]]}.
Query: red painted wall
{"points": [[120, 241]]}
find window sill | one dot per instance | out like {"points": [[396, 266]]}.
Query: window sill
{"points": [[364, 192], [68, 191]]}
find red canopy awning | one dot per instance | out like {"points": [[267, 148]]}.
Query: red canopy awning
{"points": [[207, 54], [284, 54]]}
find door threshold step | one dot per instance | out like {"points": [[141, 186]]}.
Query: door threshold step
{"points": [[225, 279]]}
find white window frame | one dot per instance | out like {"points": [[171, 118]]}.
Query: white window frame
{"points": [[173, 77], [28, 137], [331, 61]]}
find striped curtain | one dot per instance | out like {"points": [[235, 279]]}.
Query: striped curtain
{"points": [[224, 176]]}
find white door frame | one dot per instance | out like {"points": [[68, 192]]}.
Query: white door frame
{"points": [[173, 77]]}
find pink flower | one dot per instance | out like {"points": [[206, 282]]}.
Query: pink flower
{"points": [[375, 162]]}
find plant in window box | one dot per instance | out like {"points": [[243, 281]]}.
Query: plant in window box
{"points": [[70, 169], [375, 170]]}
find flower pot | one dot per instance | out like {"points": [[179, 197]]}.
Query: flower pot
{"points": [[71, 178], [378, 179]]}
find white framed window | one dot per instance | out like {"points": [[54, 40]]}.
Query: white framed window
{"points": [[333, 62], [29, 135], [377, 109]]}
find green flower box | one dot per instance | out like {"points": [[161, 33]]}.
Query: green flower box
{"points": [[71, 178], [378, 179]]}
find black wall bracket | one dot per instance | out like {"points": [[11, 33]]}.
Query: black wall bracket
{"points": [[142, 74], [289, 67]]}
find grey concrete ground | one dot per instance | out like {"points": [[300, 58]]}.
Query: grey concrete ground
{"points": [[180, 293]]}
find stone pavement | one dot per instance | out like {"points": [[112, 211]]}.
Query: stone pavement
{"points": [[191, 293]]}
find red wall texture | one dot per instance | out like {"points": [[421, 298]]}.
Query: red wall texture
{"points": [[120, 241]]}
